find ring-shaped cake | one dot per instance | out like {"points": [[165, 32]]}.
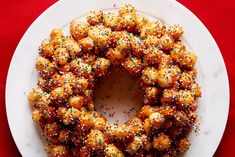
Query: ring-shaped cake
{"points": [[69, 67]]}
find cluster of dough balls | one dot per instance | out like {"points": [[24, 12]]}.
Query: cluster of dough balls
{"points": [[150, 51]]}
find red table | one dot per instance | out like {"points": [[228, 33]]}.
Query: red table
{"points": [[16, 16]]}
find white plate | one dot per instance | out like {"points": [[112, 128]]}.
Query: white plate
{"points": [[212, 76]]}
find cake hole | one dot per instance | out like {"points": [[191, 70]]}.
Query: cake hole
{"points": [[118, 97]]}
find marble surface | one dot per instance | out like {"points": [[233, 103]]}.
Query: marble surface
{"points": [[212, 75]]}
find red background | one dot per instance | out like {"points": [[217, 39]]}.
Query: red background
{"points": [[17, 15]]}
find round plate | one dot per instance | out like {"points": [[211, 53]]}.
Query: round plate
{"points": [[212, 75]]}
